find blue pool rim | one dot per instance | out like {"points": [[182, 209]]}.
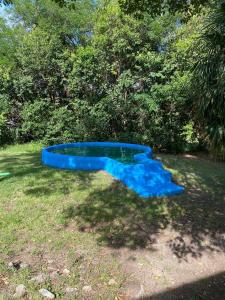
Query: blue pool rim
{"points": [[147, 177]]}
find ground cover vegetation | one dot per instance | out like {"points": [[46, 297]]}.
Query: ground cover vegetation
{"points": [[84, 235]]}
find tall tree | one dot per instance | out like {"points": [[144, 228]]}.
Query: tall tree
{"points": [[72, 26], [156, 7], [209, 78]]}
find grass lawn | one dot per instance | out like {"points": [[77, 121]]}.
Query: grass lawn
{"points": [[104, 234]]}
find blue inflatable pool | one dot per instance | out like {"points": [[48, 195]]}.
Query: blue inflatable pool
{"points": [[130, 163]]}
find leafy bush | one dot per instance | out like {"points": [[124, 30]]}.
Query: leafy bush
{"points": [[5, 132], [3, 129], [35, 117], [60, 126], [66, 76]]}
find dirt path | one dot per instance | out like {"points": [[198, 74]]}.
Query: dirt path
{"points": [[159, 274]]}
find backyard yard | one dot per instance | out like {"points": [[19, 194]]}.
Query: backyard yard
{"points": [[112, 80], [84, 235]]}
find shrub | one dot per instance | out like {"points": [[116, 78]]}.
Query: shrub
{"points": [[35, 117]]}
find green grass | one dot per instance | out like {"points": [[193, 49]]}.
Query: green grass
{"points": [[32, 222], [54, 214]]}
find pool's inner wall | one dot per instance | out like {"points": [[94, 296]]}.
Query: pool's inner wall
{"points": [[147, 177]]}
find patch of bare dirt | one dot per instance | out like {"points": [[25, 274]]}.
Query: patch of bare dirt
{"points": [[159, 274]]}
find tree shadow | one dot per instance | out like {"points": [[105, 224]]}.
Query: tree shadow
{"points": [[210, 288], [200, 224], [42, 180], [121, 219]]}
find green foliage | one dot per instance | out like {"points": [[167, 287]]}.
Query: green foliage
{"points": [[84, 70], [40, 67], [60, 127], [7, 44], [34, 119], [70, 25], [2, 129], [209, 76], [157, 7], [5, 134], [122, 69]]}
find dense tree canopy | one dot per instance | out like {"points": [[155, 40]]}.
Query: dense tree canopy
{"points": [[93, 70], [156, 7], [209, 76]]}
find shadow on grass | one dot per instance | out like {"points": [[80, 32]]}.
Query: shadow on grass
{"points": [[197, 218], [121, 219], [42, 180], [210, 288]]}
